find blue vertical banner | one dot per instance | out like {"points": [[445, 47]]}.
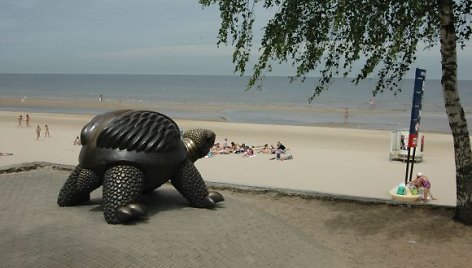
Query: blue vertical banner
{"points": [[415, 120]]}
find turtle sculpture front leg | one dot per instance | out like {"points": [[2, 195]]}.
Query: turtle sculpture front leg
{"points": [[78, 186], [122, 188], [190, 184]]}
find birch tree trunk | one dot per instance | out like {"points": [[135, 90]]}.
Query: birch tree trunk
{"points": [[455, 114]]}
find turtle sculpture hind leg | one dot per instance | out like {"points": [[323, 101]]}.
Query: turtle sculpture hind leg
{"points": [[190, 184], [78, 187], [122, 188]]}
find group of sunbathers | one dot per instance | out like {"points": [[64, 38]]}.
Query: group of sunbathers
{"points": [[249, 151]]}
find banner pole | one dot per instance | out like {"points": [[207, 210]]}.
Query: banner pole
{"points": [[412, 163], [415, 120], [407, 166]]}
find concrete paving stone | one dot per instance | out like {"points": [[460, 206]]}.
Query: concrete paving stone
{"points": [[35, 232]]}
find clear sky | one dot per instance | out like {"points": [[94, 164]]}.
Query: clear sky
{"points": [[130, 37]]}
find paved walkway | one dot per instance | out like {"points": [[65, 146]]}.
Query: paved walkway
{"points": [[35, 232]]}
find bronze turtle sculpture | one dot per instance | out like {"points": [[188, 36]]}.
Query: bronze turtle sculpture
{"points": [[130, 153]]}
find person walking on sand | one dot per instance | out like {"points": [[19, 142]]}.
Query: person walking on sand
{"points": [[38, 132], [20, 120], [372, 103], [46, 131], [27, 119], [346, 114]]}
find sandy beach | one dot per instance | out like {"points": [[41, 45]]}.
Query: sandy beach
{"points": [[340, 161]]}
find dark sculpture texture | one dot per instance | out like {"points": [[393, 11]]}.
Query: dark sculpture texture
{"points": [[131, 153]]}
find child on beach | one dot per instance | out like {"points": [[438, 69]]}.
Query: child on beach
{"points": [[27, 119], [423, 181], [20, 119], [38, 132], [46, 131]]}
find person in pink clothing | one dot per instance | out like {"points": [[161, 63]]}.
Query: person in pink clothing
{"points": [[423, 181]]}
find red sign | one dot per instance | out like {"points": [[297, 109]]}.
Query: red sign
{"points": [[412, 140]]}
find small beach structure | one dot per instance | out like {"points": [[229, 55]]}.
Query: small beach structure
{"points": [[399, 146]]}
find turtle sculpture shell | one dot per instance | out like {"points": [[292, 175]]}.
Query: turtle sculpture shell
{"points": [[145, 139]]}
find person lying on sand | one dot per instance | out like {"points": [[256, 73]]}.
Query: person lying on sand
{"points": [[282, 158], [249, 152]]}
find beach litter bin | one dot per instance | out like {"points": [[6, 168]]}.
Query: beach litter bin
{"points": [[399, 146]]}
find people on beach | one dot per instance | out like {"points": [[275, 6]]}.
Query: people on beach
{"points": [[20, 120], [38, 132], [372, 103], [234, 146], [281, 147], [346, 114], [100, 98], [46, 131], [28, 120], [278, 156], [249, 151], [77, 141], [282, 158], [219, 149], [266, 149], [421, 181]]}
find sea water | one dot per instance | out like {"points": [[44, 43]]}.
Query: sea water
{"points": [[386, 111]]}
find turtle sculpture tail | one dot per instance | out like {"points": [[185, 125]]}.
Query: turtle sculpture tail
{"points": [[190, 184]]}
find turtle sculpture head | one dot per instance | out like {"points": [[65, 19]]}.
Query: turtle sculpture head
{"points": [[131, 153], [198, 142]]}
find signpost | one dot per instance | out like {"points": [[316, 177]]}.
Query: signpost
{"points": [[415, 120]]}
